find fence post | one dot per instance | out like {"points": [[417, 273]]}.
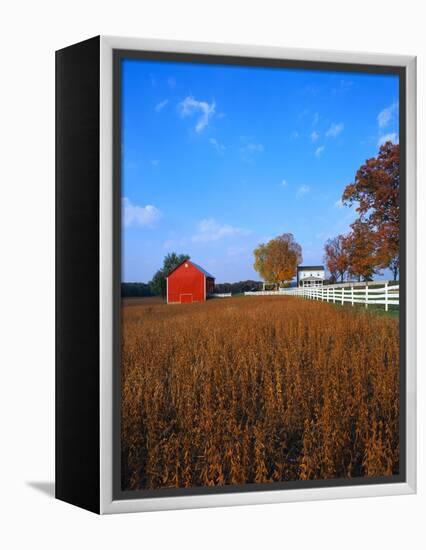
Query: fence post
{"points": [[366, 295], [386, 296], [352, 294], [343, 294], [334, 295]]}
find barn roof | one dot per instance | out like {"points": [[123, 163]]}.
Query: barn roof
{"points": [[203, 271], [206, 273]]}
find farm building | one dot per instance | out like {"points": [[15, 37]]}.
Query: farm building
{"points": [[187, 283], [310, 275]]}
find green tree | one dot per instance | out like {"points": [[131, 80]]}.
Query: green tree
{"points": [[158, 282], [277, 260]]}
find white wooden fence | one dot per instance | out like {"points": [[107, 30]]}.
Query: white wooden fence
{"points": [[386, 294], [221, 295]]}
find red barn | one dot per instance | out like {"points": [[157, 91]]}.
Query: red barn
{"points": [[187, 283]]}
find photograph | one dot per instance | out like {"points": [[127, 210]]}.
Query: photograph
{"points": [[260, 338], [213, 253]]}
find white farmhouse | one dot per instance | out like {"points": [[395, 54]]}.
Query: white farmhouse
{"points": [[310, 275]]}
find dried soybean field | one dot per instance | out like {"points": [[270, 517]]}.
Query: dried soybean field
{"points": [[256, 390]]}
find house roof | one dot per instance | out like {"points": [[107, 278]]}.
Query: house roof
{"points": [[310, 267], [203, 271], [312, 279]]}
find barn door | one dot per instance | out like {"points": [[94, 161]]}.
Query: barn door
{"points": [[186, 298]]}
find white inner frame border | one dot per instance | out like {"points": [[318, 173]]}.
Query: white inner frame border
{"points": [[107, 504]]}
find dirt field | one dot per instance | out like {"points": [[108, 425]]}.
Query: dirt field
{"points": [[255, 390]]}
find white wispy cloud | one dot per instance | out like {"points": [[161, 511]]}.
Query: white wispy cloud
{"points": [[303, 190], [155, 162], [253, 148], [334, 130], [209, 230], [217, 145], [314, 136], [284, 183], [134, 215], [315, 119], [236, 250], [345, 85], [190, 106], [339, 203], [393, 137], [160, 106], [386, 115], [170, 244], [319, 151]]}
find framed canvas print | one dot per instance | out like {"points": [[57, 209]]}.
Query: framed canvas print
{"points": [[236, 274]]}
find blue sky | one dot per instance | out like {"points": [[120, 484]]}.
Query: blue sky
{"points": [[217, 159]]}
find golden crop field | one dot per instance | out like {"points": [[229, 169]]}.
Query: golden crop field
{"points": [[255, 390]]}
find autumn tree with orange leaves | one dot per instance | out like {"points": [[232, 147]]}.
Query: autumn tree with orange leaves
{"points": [[336, 257], [277, 260], [376, 193], [360, 248]]}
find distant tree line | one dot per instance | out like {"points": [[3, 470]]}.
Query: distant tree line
{"points": [[372, 244], [237, 288], [134, 290]]}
